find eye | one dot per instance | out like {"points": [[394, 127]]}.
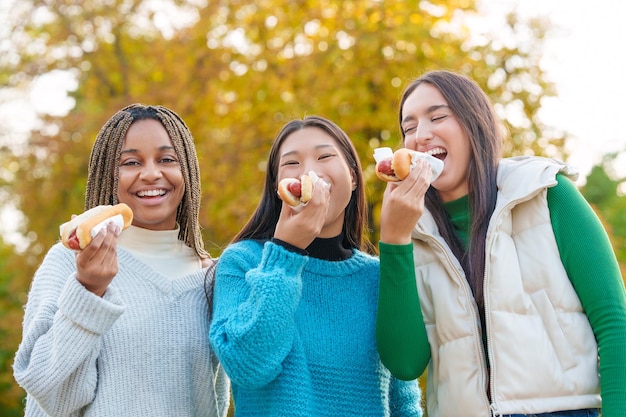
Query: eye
{"points": [[129, 162], [289, 162], [410, 130], [168, 159], [438, 118], [326, 156]]}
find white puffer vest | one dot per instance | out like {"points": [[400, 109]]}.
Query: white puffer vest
{"points": [[542, 352]]}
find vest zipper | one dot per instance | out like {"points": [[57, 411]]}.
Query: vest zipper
{"points": [[488, 243], [469, 296], [494, 410], [492, 384]]}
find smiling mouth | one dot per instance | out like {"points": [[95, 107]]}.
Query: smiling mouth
{"points": [[438, 153], [151, 193]]}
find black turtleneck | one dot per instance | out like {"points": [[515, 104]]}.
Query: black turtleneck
{"points": [[328, 249]]}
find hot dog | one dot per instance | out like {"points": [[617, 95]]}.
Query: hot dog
{"points": [[77, 233], [396, 166], [297, 192]]}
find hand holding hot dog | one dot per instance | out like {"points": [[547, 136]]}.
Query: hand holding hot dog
{"points": [[299, 225], [93, 236], [96, 265], [403, 205]]}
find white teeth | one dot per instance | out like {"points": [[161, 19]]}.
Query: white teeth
{"points": [[151, 193], [436, 151]]}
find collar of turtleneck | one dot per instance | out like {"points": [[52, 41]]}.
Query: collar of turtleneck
{"points": [[150, 242], [329, 249], [161, 250]]}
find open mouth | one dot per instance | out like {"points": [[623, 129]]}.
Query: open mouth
{"points": [[151, 193], [438, 153]]}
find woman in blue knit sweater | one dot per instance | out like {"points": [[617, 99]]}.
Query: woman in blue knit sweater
{"points": [[295, 293]]}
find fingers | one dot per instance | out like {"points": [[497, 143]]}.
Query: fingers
{"points": [[300, 227], [403, 205], [108, 246], [96, 265], [417, 182], [390, 187], [321, 194]]}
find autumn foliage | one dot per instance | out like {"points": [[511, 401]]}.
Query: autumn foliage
{"points": [[236, 71]]}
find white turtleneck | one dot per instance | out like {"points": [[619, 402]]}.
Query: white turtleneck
{"points": [[161, 250]]}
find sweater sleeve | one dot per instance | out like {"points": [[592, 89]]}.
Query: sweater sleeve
{"points": [[253, 326], [591, 265], [400, 331], [405, 398], [63, 323]]}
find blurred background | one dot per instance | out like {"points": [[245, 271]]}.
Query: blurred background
{"points": [[236, 71]]}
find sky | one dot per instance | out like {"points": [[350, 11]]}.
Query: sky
{"points": [[583, 57]]}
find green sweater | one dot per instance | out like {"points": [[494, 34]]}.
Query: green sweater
{"points": [[588, 258]]}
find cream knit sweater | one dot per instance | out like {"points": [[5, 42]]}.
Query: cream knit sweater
{"points": [[141, 350]]}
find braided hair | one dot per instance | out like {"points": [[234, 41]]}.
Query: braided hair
{"points": [[102, 179]]}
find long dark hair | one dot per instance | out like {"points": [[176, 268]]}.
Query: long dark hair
{"points": [[475, 113], [262, 223]]}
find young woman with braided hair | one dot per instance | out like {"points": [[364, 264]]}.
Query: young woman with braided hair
{"points": [[120, 328]]}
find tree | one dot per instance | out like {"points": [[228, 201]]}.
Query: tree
{"points": [[236, 71], [11, 313], [602, 192]]}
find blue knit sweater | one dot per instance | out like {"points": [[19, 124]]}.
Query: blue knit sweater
{"points": [[296, 335]]}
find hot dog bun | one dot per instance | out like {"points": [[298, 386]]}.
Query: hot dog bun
{"points": [[396, 167], [77, 233], [306, 183], [401, 164]]}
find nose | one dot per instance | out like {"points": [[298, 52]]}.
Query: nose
{"points": [[422, 133], [150, 171], [310, 165]]}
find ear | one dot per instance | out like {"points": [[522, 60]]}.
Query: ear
{"points": [[354, 184]]}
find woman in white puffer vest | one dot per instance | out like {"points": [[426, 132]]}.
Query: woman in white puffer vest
{"points": [[500, 277]]}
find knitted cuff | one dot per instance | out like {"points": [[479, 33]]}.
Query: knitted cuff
{"points": [[276, 256], [86, 309]]}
